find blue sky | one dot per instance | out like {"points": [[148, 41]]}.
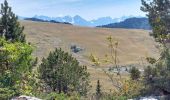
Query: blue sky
{"points": [[88, 9]]}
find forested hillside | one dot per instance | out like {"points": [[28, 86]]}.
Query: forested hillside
{"points": [[131, 23]]}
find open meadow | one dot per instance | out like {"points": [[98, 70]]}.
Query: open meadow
{"points": [[134, 45]]}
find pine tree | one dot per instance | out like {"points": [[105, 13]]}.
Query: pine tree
{"points": [[159, 17], [11, 28], [62, 73], [98, 88]]}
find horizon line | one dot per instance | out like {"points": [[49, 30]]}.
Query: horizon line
{"points": [[130, 16]]}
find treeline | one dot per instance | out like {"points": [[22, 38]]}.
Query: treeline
{"points": [[51, 21]]}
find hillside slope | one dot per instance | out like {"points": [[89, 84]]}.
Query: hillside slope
{"points": [[131, 23], [134, 45]]}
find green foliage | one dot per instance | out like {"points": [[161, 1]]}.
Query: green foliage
{"points": [[150, 72], [62, 96], [7, 89], [55, 96], [6, 93], [112, 97], [62, 73], [135, 73], [15, 56], [15, 62], [29, 85], [157, 75], [11, 28], [159, 18], [6, 79], [130, 89], [151, 60], [165, 58], [115, 98]]}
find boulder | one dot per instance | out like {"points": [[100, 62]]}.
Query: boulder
{"points": [[23, 97]]}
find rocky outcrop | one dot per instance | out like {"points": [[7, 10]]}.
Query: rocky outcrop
{"points": [[23, 97]]}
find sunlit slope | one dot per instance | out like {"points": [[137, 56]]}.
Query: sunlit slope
{"points": [[133, 44]]}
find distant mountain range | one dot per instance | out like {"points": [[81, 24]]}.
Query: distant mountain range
{"points": [[78, 20], [130, 23]]}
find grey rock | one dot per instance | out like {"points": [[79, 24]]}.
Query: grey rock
{"points": [[23, 97]]}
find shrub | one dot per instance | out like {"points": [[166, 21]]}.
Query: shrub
{"points": [[7, 93], [134, 73]]}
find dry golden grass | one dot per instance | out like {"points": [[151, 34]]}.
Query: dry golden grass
{"points": [[133, 44]]}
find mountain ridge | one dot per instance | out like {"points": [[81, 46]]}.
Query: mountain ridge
{"points": [[130, 23], [78, 20]]}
